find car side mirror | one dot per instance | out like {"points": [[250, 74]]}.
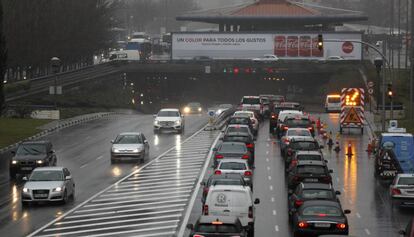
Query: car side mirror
{"points": [[331, 171], [401, 232], [347, 211], [326, 161], [52, 151], [13, 152], [190, 226], [68, 177], [338, 192], [321, 146], [257, 201], [203, 183], [146, 141], [112, 141], [215, 149], [24, 178]]}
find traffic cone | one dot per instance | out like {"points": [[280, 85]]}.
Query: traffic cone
{"points": [[369, 148], [337, 148], [349, 150], [318, 124]]}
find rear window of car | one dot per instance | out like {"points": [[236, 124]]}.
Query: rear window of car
{"points": [[321, 211], [223, 228], [309, 157], [312, 169], [406, 181], [232, 166], [298, 122], [239, 121], [250, 115], [317, 193], [304, 145], [251, 100], [237, 129], [231, 147], [236, 138], [294, 132]]}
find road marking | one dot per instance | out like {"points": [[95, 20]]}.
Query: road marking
{"points": [[84, 165], [272, 199], [367, 231], [267, 152], [269, 177], [337, 179], [268, 168], [267, 159], [276, 228], [274, 212], [358, 215], [267, 145], [271, 187], [99, 157]]}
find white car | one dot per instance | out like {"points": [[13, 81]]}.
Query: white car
{"points": [[284, 113], [266, 58], [402, 190], [169, 120], [52, 184], [252, 103], [333, 103], [232, 200], [252, 116], [236, 166], [129, 145], [292, 133]]}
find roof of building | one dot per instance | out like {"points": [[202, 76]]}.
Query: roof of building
{"points": [[274, 8]]}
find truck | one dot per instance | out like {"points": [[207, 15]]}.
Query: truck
{"points": [[395, 154]]}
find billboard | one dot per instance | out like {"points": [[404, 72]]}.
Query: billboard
{"points": [[235, 45]]}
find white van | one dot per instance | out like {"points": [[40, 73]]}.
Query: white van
{"points": [[333, 103], [231, 200]]}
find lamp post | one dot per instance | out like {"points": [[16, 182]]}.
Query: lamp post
{"points": [[55, 63], [378, 65]]}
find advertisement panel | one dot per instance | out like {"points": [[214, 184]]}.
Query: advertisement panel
{"points": [[235, 45]]}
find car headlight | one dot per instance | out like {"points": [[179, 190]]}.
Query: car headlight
{"points": [[39, 162], [199, 109], [136, 150], [177, 122], [156, 122], [115, 150], [187, 110], [219, 111], [14, 162], [58, 189], [26, 190]]}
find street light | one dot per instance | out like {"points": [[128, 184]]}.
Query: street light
{"points": [[55, 63]]}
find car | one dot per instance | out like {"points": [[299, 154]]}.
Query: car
{"points": [[169, 120], [238, 129], [318, 217], [274, 115], [305, 155], [310, 172], [252, 103], [131, 145], [292, 133], [52, 184], [221, 179], [311, 191], [266, 58], [281, 118], [298, 121], [300, 144], [241, 120], [246, 138], [192, 108], [409, 230], [213, 226], [236, 166], [333, 103], [252, 116], [223, 107], [232, 200], [266, 105], [226, 150], [402, 190], [29, 155]]}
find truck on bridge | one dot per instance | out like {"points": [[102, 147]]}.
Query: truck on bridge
{"points": [[395, 155]]}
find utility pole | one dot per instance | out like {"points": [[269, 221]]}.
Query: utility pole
{"points": [[412, 64], [407, 21]]}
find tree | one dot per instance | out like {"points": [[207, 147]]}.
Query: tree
{"points": [[3, 59]]}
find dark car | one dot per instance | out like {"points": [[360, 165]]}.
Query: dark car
{"points": [[310, 172], [31, 154], [221, 179], [242, 120], [209, 226], [274, 115], [318, 217], [300, 144], [305, 155], [311, 191], [409, 229], [232, 135], [298, 121], [232, 150]]}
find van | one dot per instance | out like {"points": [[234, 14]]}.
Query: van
{"points": [[232, 200], [333, 103]]}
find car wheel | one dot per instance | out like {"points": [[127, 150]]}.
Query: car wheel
{"points": [[65, 197]]}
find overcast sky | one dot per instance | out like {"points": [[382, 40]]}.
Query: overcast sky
{"points": [[207, 4]]}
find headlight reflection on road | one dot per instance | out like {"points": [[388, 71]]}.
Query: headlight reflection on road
{"points": [[350, 172], [156, 140], [15, 194], [116, 172], [178, 142]]}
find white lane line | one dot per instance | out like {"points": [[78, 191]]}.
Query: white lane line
{"points": [[168, 174], [170, 170], [267, 145], [267, 159], [272, 199], [99, 157], [274, 212], [367, 231], [267, 152], [358, 215], [144, 180], [269, 177], [149, 204], [271, 187], [268, 168], [140, 185], [169, 233], [276, 228], [153, 191], [140, 197], [84, 165], [135, 201]]}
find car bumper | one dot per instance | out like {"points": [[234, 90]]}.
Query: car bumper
{"points": [[317, 232], [17, 169], [52, 197], [175, 127], [137, 155], [403, 200]]}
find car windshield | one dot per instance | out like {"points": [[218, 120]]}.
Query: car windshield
{"points": [[232, 148], [237, 130], [128, 139], [168, 114], [321, 211], [298, 122], [232, 166], [309, 157], [31, 149], [304, 145], [406, 181], [251, 100], [311, 169], [46, 175], [297, 132], [317, 194], [223, 228], [334, 100]]}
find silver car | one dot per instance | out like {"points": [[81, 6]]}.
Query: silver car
{"points": [[402, 190], [48, 184], [236, 166], [130, 145]]}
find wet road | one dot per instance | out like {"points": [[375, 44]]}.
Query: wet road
{"points": [[367, 198], [84, 149]]}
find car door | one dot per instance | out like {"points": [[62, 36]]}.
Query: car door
{"points": [[70, 186]]}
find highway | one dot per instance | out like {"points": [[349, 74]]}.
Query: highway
{"points": [[84, 150]]}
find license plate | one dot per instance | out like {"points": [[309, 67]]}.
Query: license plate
{"points": [[311, 180], [322, 225], [26, 168], [389, 172], [41, 195]]}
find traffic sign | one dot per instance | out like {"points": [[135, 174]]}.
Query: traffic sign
{"points": [[352, 116], [370, 84], [371, 91]]}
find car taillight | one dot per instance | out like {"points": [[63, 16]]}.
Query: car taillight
{"points": [[395, 191], [286, 141], [250, 145], [217, 172], [341, 226], [205, 210], [285, 127], [273, 116], [198, 236], [205, 190], [294, 162], [303, 225], [310, 128], [250, 212], [298, 203], [247, 173], [290, 152], [245, 157], [219, 156], [327, 179]]}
